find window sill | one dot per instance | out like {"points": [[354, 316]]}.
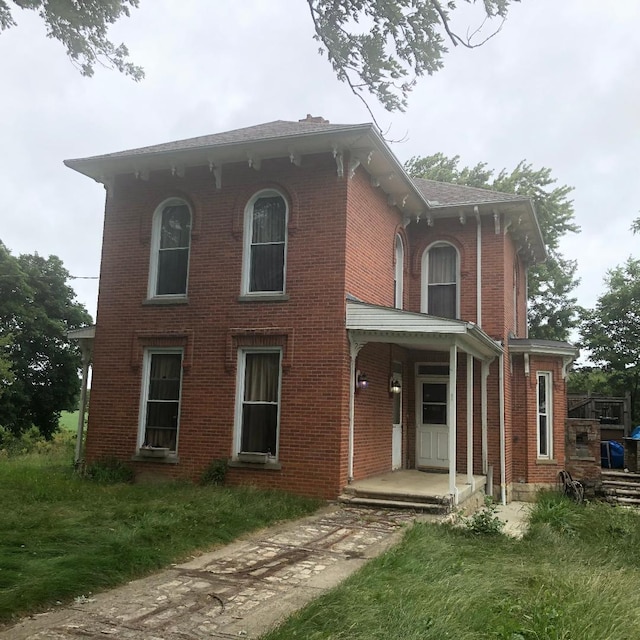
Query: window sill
{"points": [[544, 461], [166, 460], [274, 297], [165, 301], [266, 466]]}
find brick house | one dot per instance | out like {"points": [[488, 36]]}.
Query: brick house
{"points": [[285, 297]]}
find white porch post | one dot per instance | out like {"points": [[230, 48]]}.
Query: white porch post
{"points": [[483, 399], [453, 377], [470, 421], [353, 350]]}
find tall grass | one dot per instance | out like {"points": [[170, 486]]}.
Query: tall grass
{"points": [[62, 536], [575, 576]]}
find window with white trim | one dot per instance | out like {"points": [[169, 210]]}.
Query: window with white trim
{"points": [[545, 415], [440, 277], [258, 402], [170, 245], [160, 403], [265, 243], [398, 280]]}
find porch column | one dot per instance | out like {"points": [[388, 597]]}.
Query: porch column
{"points": [[354, 349], [451, 418], [470, 480], [483, 400]]}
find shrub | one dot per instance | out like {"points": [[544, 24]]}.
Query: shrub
{"points": [[215, 473], [109, 471]]}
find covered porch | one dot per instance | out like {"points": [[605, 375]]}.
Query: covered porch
{"points": [[462, 341], [411, 488]]}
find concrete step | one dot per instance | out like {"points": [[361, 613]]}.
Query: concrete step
{"points": [[389, 502], [622, 491], [626, 476], [620, 483], [405, 496], [621, 500]]}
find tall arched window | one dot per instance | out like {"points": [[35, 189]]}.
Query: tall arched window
{"points": [[440, 279], [170, 243], [265, 243], [398, 278]]}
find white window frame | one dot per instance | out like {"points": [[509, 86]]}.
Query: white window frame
{"points": [[398, 280], [240, 379], [144, 394], [547, 375], [247, 243], [156, 232], [424, 302]]}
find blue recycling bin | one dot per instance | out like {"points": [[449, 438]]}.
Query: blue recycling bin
{"points": [[611, 454]]}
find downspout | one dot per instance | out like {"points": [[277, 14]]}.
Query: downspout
{"points": [[503, 463], [478, 266], [86, 360]]}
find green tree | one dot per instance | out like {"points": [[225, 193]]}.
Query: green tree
{"points": [[553, 311], [82, 28], [383, 46], [37, 308], [611, 331], [379, 46]]}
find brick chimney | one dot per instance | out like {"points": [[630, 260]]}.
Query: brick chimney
{"points": [[316, 119]]}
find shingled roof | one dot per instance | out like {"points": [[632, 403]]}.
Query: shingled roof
{"points": [[444, 194], [256, 133]]}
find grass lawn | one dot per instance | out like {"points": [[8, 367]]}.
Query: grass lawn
{"points": [[575, 576], [62, 536], [69, 421]]}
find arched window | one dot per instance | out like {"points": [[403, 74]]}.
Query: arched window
{"points": [[265, 243], [398, 278], [440, 278], [170, 243]]}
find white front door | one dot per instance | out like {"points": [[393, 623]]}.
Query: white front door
{"points": [[432, 433], [396, 437]]}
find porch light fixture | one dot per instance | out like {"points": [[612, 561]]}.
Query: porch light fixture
{"points": [[361, 381], [394, 385]]}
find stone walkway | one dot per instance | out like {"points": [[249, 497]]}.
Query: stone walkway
{"points": [[240, 590]]}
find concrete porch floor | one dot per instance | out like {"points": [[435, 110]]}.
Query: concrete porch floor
{"points": [[411, 482]]}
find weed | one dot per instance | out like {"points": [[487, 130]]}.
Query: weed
{"points": [[215, 474], [485, 521], [109, 471]]}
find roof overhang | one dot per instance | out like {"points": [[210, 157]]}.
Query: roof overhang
{"points": [[351, 146], [530, 346], [363, 144], [372, 323]]}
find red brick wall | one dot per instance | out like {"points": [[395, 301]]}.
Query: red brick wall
{"points": [[527, 467], [316, 379], [371, 231]]}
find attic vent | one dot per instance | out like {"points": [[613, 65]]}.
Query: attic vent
{"points": [[316, 119]]}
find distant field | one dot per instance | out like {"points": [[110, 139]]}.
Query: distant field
{"points": [[69, 421]]}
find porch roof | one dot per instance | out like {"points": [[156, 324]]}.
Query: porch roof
{"points": [[372, 323]]}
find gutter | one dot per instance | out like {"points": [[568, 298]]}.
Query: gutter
{"points": [[503, 462], [476, 210]]}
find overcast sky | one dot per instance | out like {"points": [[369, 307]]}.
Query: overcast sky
{"points": [[559, 87]]}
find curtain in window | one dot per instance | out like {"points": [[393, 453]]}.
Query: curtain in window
{"points": [[173, 254], [398, 285], [260, 405], [543, 429], [442, 272], [163, 400], [268, 234]]}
